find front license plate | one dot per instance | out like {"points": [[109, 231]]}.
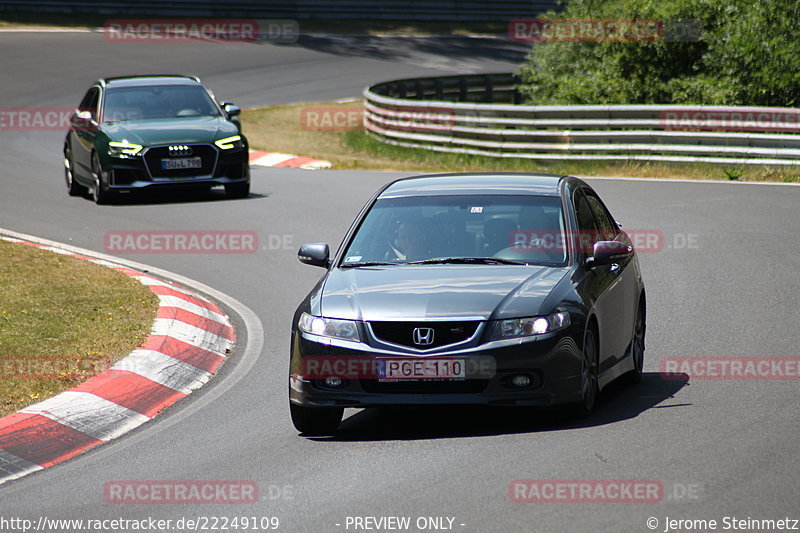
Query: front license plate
{"points": [[393, 369], [184, 162]]}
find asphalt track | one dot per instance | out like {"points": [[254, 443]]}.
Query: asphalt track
{"points": [[720, 448]]}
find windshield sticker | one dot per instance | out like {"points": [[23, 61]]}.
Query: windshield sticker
{"points": [[352, 258], [476, 209]]}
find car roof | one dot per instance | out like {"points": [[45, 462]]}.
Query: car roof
{"points": [[150, 79], [476, 183]]}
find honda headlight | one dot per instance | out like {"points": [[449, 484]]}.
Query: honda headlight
{"points": [[531, 326], [329, 327]]}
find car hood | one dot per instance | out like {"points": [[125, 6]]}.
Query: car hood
{"points": [[440, 291], [171, 130]]}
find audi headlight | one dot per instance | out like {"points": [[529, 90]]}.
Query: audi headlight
{"points": [[124, 147], [230, 142], [329, 327], [531, 326]]}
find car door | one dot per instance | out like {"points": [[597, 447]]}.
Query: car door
{"points": [[84, 128], [620, 283], [599, 285], [626, 282]]}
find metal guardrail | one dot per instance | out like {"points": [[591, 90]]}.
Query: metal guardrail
{"points": [[441, 10], [481, 115]]}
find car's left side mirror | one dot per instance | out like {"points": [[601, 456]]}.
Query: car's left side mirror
{"points": [[315, 254], [231, 109], [608, 252]]}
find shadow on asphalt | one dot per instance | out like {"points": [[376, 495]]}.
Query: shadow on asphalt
{"points": [[397, 48], [176, 196], [617, 402]]}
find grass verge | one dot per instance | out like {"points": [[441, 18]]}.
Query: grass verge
{"points": [[62, 320], [291, 129]]}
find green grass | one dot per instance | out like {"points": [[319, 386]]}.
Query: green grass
{"points": [[63, 319], [362, 142]]}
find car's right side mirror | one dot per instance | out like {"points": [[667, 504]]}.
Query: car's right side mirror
{"points": [[81, 117], [607, 252], [315, 254], [231, 109]]}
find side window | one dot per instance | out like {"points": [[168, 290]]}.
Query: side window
{"points": [[89, 102], [588, 232], [605, 223]]}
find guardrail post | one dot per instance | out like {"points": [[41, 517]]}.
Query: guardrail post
{"points": [[488, 91], [517, 95]]}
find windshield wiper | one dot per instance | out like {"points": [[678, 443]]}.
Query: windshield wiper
{"points": [[367, 264], [468, 261]]}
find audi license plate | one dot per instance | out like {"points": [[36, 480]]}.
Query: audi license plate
{"points": [[412, 368], [184, 162]]}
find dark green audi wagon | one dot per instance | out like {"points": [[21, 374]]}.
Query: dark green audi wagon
{"points": [[144, 132]]}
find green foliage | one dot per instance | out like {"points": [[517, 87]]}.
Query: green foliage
{"points": [[746, 53], [733, 174]]}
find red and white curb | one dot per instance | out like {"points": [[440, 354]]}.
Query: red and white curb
{"points": [[276, 159], [189, 340]]}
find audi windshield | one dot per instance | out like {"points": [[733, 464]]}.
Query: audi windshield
{"points": [[157, 101]]}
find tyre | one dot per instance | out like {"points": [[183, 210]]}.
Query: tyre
{"points": [[100, 192], [637, 345], [316, 421], [73, 187], [237, 190], [589, 385]]}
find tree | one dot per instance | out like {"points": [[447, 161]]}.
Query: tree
{"points": [[738, 52]]}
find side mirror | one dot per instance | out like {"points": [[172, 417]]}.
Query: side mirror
{"points": [[315, 254], [82, 117], [231, 109], [607, 252]]}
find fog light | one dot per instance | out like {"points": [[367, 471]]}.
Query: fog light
{"points": [[333, 382], [521, 380]]}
